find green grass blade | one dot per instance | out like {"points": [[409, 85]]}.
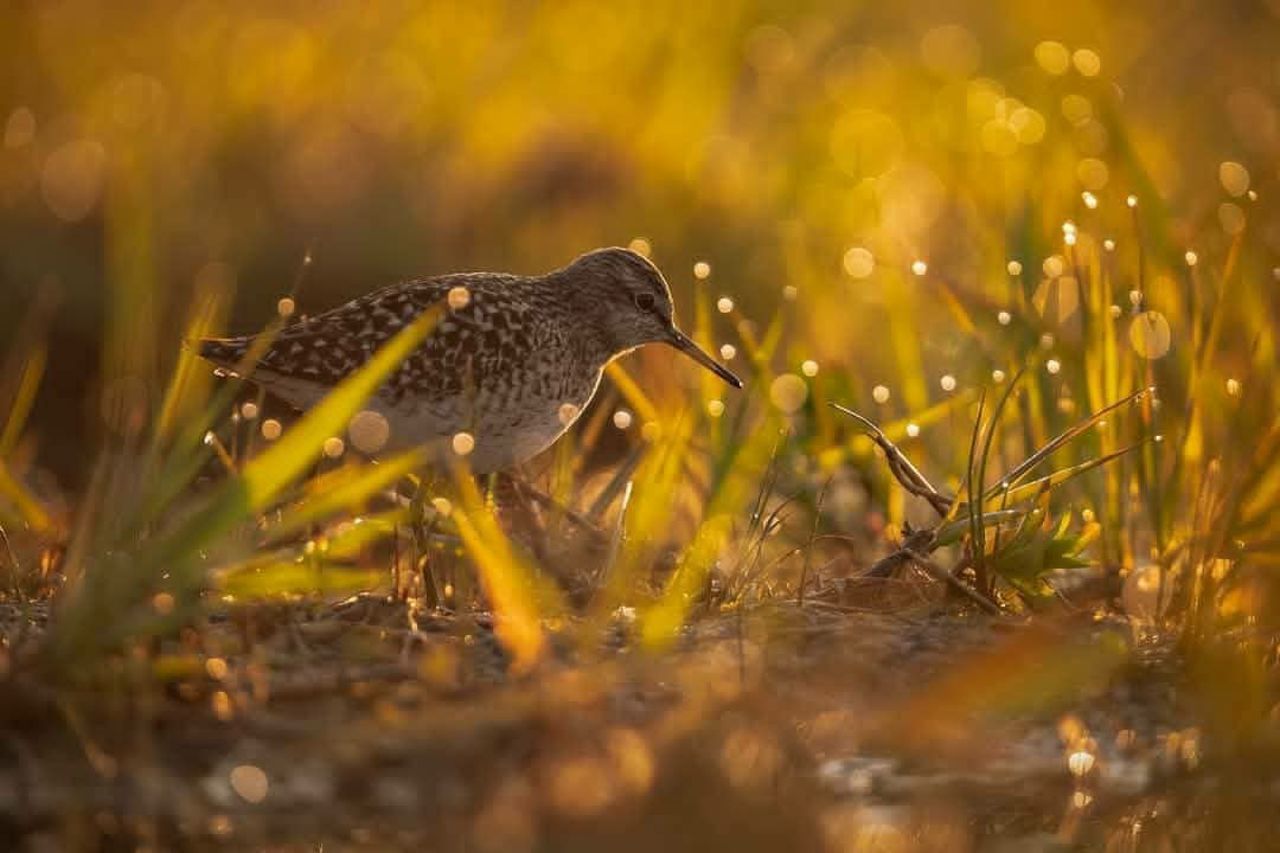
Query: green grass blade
{"points": [[344, 489]]}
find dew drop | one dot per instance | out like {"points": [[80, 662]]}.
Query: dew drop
{"points": [[459, 298], [567, 413], [1080, 763], [724, 305], [622, 419], [880, 394], [463, 443]]}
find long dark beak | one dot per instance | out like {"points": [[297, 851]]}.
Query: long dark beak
{"points": [[685, 344]]}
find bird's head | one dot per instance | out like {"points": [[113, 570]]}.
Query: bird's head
{"points": [[630, 303]]}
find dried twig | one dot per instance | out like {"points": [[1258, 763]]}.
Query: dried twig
{"points": [[903, 471]]}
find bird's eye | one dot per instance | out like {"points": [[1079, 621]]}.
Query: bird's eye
{"points": [[644, 301]]}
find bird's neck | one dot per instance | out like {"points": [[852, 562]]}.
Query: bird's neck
{"points": [[587, 317]]}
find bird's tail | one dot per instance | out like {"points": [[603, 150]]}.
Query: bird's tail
{"points": [[224, 352]]}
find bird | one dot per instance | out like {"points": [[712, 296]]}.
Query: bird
{"points": [[511, 364]]}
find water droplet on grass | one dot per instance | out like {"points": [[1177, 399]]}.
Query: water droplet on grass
{"points": [[459, 298]]}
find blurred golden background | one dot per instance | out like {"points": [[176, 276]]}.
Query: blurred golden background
{"points": [[153, 149]]}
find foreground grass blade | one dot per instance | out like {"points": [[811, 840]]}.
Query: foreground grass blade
{"points": [[108, 603], [266, 475], [27, 506], [191, 380], [345, 488], [517, 595], [663, 620], [24, 397], [632, 393]]}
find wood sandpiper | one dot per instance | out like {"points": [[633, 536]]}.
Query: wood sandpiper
{"points": [[512, 364]]}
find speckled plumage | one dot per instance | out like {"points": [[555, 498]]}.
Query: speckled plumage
{"points": [[513, 366]]}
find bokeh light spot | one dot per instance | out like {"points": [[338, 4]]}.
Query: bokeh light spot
{"points": [[369, 431], [463, 443], [788, 392], [1150, 335], [72, 179], [1053, 57], [249, 782], [859, 262], [1234, 178]]}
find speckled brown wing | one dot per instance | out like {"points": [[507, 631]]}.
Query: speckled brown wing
{"points": [[325, 349]]}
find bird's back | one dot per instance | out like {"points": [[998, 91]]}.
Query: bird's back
{"points": [[324, 349], [501, 363]]}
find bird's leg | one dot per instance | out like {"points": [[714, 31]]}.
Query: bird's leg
{"points": [[536, 496], [526, 517], [423, 529]]}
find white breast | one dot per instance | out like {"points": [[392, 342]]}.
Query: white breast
{"points": [[506, 431]]}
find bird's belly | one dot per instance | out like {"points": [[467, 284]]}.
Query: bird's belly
{"points": [[507, 429]]}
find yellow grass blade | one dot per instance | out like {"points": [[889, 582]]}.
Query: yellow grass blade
{"points": [[28, 384], [108, 602], [28, 507], [190, 383], [344, 488], [662, 621], [518, 599], [638, 400], [268, 473]]}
